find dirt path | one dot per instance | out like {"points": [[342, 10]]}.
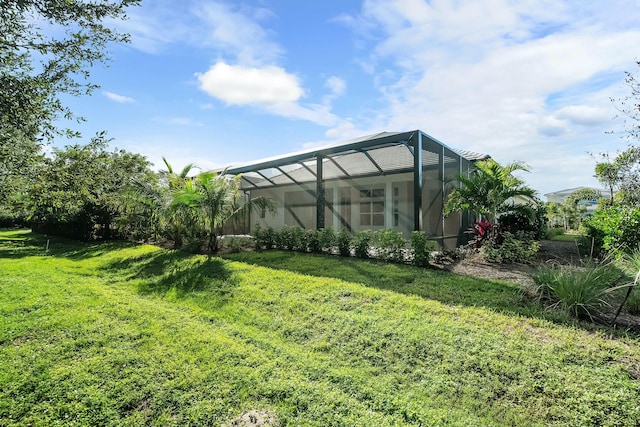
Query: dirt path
{"points": [[551, 252]]}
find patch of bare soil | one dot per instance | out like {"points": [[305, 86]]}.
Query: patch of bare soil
{"points": [[473, 265], [255, 418], [551, 252]]}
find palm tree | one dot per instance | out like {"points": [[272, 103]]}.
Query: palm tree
{"points": [[196, 207], [491, 190], [220, 200], [156, 203]]}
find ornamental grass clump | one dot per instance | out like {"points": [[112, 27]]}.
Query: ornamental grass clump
{"points": [[584, 293], [630, 263]]}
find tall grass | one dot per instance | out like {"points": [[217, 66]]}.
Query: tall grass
{"points": [[582, 292], [630, 263]]}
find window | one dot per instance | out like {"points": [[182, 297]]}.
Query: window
{"points": [[372, 207], [396, 206], [345, 207], [396, 213]]}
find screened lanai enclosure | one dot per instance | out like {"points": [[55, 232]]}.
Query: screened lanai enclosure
{"points": [[390, 180]]}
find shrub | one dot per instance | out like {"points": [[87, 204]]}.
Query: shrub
{"points": [[614, 229], [583, 293], [481, 231], [327, 239], [518, 221], [421, 249], [506, 247], [264, 237], [390, 245], [281, 238], [362, 243], [553, 232], [297, 239], [344, 242], [311, 239]]}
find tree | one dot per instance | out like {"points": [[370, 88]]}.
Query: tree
{"points": [[629, 107], [622, 175], [79, 190], [491, 191], [179, 219], [220, 199], [212, 200], [608, 173], [47, 48], [194, 209]]}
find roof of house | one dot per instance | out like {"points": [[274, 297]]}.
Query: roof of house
{"points": [[563, 194], [373, 154]]}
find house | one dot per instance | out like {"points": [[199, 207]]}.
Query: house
{"points": [[589, 205], [389, 180]]}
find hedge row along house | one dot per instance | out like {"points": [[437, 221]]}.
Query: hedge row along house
{"points": [[389, 180]]}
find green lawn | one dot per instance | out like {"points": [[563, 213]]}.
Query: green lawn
{"points": [[570, 238], [122, 334]]}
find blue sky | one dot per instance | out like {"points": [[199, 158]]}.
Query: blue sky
{"points": [[217, 83]]}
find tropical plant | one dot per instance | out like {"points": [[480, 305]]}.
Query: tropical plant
{"points": [[481, 231], [195, 208], [583, 293], [491, 190], [214, 199], [177, 217], [506, 247]]}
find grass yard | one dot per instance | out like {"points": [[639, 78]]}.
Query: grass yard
{"points": [[123, 334], [568, 237]]}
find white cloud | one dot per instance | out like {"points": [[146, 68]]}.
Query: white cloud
{"points": [[319, 114], [270, 88], [232, 30], [336, 85], [183, 121], [344, 131], [246, 70], [239, 85], [550, 126], [237, 32], [118, 98], [584, 114]]}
